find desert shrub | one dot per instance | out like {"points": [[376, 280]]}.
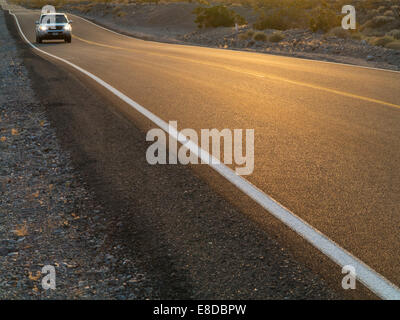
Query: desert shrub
{"points": [[318, 15], [395, 34], [246, 35], [38, 4], [356, 35], [117, 11], [371, 14], [260, 36], [84, 8], [378, 22], [382, 41], [393, 45], [370, 32], [324, 19], [381, 9], [368, 10], [121, 14], [273, 21], [339, 32], [281, 18], [388, 13], [345, 34], [276, 37], [217, 16]]}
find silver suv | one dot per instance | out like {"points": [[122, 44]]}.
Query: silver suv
{"points": [[53, 26]]}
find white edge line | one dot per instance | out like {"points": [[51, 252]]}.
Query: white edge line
{"points": [[366, 275], [261, 53]]}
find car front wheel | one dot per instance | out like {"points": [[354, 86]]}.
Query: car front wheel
{"points": [[38, 39], [68, 39]]}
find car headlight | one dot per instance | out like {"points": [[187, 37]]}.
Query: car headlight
{"points": [[67, 27], [42, 28]]}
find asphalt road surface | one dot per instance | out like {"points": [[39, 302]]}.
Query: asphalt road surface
{"points": [[327, 136]]}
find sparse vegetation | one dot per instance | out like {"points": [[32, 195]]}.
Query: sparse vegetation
{"points": [[217, 16], [276, 37], [251, 43], [382, 41], [323, 19], [260, 36], [279, 14], [84, 8], [339, 32], [37, 4], [395, 34], [246, 35], [356, 35], [386, 41], [117, 11], [378, 22], [393, 45], [318, 15], [121, 14]]}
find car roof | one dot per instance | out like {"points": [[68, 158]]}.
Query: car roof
{"points": [[52, 13]]}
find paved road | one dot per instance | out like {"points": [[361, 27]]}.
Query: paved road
{"points": [[327, 136]]}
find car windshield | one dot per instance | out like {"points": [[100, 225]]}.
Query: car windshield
{"points": [[60, 18]]}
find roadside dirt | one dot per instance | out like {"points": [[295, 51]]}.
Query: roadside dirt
{"points": [[48, 215]]}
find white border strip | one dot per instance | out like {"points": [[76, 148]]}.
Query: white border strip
{"points": [[366, 275]]}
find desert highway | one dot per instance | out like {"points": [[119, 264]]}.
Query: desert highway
{"points": [[327, 136]]}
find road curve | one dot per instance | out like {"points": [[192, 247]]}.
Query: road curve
{"points": [[326, 135]]}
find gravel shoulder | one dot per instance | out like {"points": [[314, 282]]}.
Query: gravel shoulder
{"points": [[80, 195], [48, 216]]}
